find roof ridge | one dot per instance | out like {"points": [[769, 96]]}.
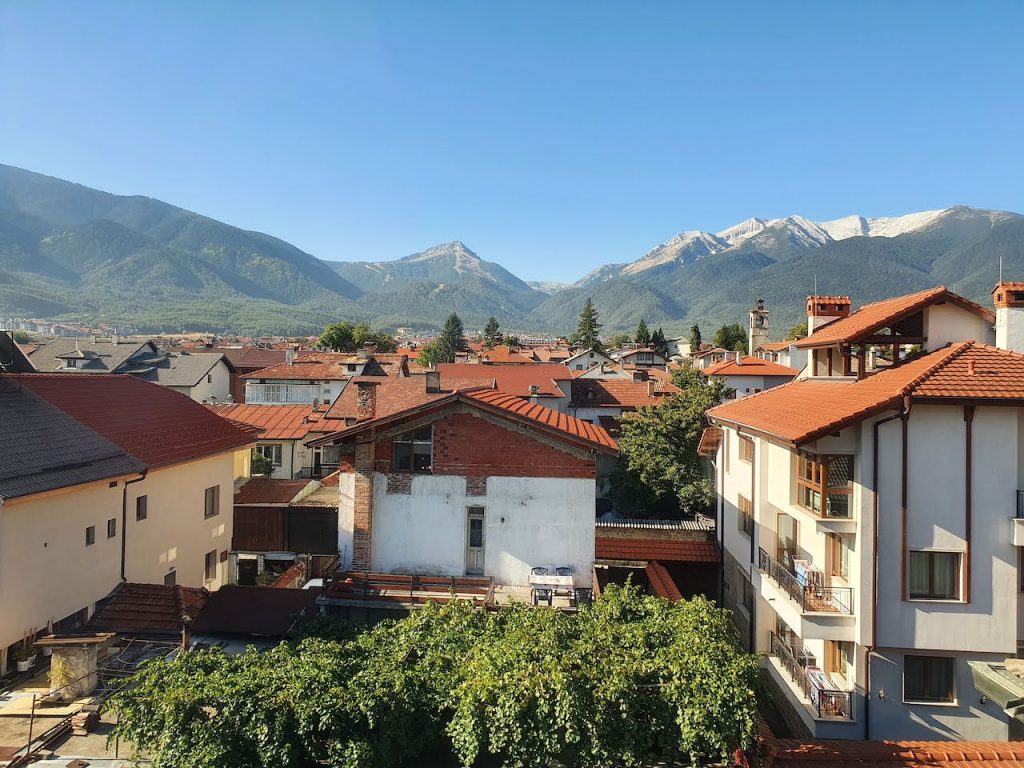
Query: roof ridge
{"points": [[954, 351]]}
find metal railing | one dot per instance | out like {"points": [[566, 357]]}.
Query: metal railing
{"points": [[811, 598], [826, 702], [317, 473]]}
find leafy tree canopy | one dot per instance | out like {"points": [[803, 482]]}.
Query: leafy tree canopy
{"points": [[260, 465], [732, 337], [345, 337], [512, 341], [634, 680], [588, 328], [618, 340], [797, 331]]}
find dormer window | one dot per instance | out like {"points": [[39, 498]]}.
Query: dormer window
{"points": [[70, 362], [412, 451]]}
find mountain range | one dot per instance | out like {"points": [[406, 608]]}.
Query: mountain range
{"points": [[75, 253]]}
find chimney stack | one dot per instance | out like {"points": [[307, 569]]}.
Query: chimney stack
{"points": [[739, 358], [822, 310], [1008, 299], [289, 356], [534, 390], [432, 381], [366, 400]]}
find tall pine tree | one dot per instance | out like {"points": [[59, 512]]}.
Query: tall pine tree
{"points": [[695, 339], [492, 335], [659, 343], [451, 340], [588, 328], [642, 335]]}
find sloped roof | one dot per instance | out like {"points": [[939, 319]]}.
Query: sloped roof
{"points": [[393, 395], [709, 441], [777, 346], [45, 448], [661, 582], [183, 369], [272, 422], [156, 425], [793, 753], [802, 411], [623, 393], [666, 550], [148, 610], [752, 366], [881, 314], [106, 356], [505, 355], [315, 366], [252, 358], [513, 379], [266, 490]]}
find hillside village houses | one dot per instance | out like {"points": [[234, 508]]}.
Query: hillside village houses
{"points": [[870, 519], [106, 479]]}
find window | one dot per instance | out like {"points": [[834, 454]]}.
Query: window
{"points": [[929, 678], [934, 575], [209, 378], [746, 447], [90, 535], [141, 507], [827, 479], [212, 508], [412, 450], [786, 551], [838, 555], [838, 657], [70, 363], [211, 565], [746, 511], [111, 527], [170, 578], [272, 452]]}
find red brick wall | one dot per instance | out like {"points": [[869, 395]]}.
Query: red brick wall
{"points": [[471, 446], [362, 512]]}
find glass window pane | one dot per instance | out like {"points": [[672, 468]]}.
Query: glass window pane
{"points": [[919, 577], [944, 569], [476, 532]]}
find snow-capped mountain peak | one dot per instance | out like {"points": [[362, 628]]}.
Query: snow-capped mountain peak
{"points": [[683, 248], [742, 231]]}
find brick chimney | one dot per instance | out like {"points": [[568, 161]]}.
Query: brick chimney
{"points": [[366, 400], [1008, 299], [824, 309]]}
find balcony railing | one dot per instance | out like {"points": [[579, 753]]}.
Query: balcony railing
{"points": [[811, 598], [826, 702], [317, 473]]}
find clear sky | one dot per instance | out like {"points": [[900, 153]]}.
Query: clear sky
{"points": [[548, 136]]}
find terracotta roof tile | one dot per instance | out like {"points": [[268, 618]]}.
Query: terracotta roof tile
{"points": [[266, 490], [661, 582], [504, 355], [666, 550], [394, 395], [156, 425], [316, 366], [752, 366], [151, 610], [881, 314], [777, 346], [252, 358], [513, 379], [623, 393], [792, 753], [272, 422], [710, 438], [803, 410]]}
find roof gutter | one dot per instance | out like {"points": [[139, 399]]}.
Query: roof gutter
{"points": [[124, 519]]}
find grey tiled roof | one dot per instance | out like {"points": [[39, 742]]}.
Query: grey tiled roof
{"points": [[106, 356], [42, 448], [178, 370]]}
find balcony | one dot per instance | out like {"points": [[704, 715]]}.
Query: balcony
{"points": [[811, 597], [317, 473], [814, 685]]}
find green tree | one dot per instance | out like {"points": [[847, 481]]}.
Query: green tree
{"points": [[659, 472], [430, 354], [260, 465], [642, 335], [732, 337], [22, 337], [659, 343], [588, 328], [512, 341], [492, 333], [695, 339], [618, 340], [451, 340], [797, 331], [338, 337]]}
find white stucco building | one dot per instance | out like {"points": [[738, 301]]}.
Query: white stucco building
{"points": [[867, 519]]}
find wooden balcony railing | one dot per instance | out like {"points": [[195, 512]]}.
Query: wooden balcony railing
{"points": [[811, 598]]}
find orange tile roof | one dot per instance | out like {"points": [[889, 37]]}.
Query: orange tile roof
{"points": [[666, 550], [752, 366], [661, 583], [804, 410], [504, 355], [777, 346], [396, 394], [709, 441], [792, 753], [316, 366], [881, 314], [154, 424], [622, 393], [272, 422], [513, 379]]}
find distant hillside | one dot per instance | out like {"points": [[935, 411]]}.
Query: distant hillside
{"points": [[75, 253]]}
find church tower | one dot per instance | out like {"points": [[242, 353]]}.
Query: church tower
{"points": [[757, 332]]}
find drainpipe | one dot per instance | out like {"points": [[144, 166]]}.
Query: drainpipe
{"points": [[874, 572], [753, 533], [124, 518]]}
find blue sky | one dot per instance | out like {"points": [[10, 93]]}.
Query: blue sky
{"points": [[550, 136]]}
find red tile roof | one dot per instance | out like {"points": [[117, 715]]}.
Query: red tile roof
{"points": [[777, 346], [513, 379], [251, 358], [315, 366], [272, 422], [148, 609], [661, 583], [804, 410], [709, 441], [667, 550], [394, 395], [266, 490], [623, 393], [504, 355], [752, 366], [881, 314], [792, 753], [156, 425]]}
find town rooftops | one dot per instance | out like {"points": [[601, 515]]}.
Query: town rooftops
{"points": [[156, 425], [272, 422], [792, 753], [181, 369], [872, 318], [148, 610], [777, 346], [252, 358], [394, 395], [269, 492], [656, 548], [622, 393], [505, 356], [751, 366], [46, 449], [315, 366], [802, 411], [513, 379], [105, 355]]}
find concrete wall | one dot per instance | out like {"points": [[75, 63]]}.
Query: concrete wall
{"points": [[527, 522], [346, 518], [218, 390], [946, 323]]}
